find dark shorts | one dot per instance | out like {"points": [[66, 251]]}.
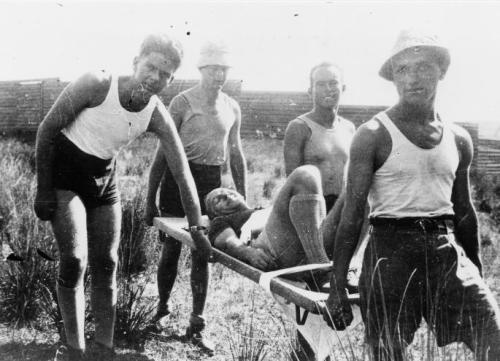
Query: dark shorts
{"points": [[93, 179], [206, 178], [330, 201], [410, 272]]}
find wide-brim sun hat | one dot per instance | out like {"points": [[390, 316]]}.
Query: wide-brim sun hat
{"points": [[214, 53], [411, 38]]}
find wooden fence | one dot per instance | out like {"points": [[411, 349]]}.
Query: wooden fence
{"points": [[488, 159], [24, 103]]}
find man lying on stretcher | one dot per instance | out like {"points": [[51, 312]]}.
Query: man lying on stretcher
{"points": [[293, 232]]}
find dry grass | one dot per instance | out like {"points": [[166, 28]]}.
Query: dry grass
{"points": [[243, 321]]}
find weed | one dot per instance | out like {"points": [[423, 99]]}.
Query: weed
{"points": [[249, 345], [133, 311]]}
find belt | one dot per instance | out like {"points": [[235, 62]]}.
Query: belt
{"points": [[428, 224]]}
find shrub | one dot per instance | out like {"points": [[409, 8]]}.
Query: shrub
{"points": [[23, 284], [133, 310]]}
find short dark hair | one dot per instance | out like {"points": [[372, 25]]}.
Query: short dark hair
{"points": [[325, 64], [163, 43]]}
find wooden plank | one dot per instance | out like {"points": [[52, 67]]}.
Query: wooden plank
{"points": [[308, 300]]}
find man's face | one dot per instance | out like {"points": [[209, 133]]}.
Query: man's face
{"points": [[214, 76], [416, 74], [153, 72], [225, 201], [326, 87]]}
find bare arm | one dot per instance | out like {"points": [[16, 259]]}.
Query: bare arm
{"points": [[159, 165], [73, 99], [229, 242], [296, 135], [162, 125], [330, 225], [466, 223], [359, 179], [236, 157]]}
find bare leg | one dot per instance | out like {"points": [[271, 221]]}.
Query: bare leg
{"points": [[294, 222], [199, 283], [167, 272], [104, 224], [70, 230]]}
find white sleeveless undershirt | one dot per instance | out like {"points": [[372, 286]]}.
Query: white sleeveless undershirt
{"points": [[103, 130], [414, 182]]}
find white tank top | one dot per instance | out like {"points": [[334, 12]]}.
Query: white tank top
{"points": [[103, 130], [414, 182]]}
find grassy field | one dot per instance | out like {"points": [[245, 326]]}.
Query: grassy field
{"points": [[244, 322]]}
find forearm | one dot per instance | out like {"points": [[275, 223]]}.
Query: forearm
{"points": [[467, 234], [239, 172], [236, 249], [344, 248]]}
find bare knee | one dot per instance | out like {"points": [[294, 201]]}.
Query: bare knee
{"points": [[103, 269], [306, 179], [71, 271]]}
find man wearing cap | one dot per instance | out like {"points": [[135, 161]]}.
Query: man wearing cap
{"points": [[422, 259], [208, 122]]}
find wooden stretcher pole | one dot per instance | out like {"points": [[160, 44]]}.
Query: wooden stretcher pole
{"points": [[305, 299]]}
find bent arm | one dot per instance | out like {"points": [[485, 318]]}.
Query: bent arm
{"points": [[466, 224], [296, 135], [228, 242], [236, 158]]}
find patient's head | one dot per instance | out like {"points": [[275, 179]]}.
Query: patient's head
{"points": [[224, 201]]}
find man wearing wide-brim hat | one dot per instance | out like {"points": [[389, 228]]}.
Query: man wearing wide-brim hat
{"points": [[422, 259], [208, 122]]}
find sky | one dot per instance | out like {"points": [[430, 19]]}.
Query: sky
{"points": [[274, 43]]}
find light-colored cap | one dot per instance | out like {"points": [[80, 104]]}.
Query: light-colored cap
{"points": [[411, 38], [214, 53]]}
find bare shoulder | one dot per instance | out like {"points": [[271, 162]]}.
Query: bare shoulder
{"points": [[347, 124], [297, 128], [372, 131], [92, 85], [95, 80], [463, 141], [179, 102], [460, 133]]}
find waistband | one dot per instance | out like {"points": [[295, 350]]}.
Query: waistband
{"points": [[441, 223], [198, 166]]}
